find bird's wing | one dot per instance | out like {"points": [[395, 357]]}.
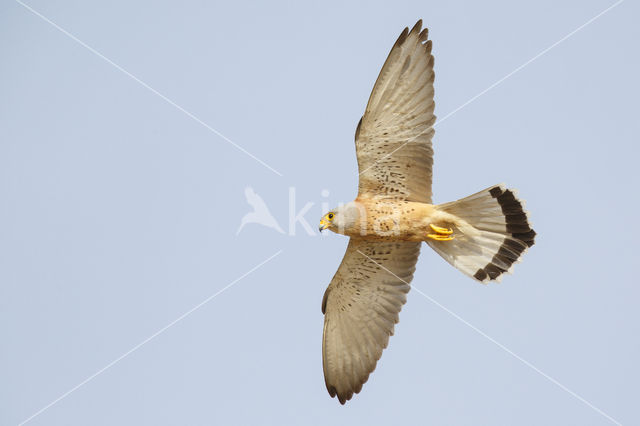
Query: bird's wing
{"points": [[393, 138], [361, 307]]}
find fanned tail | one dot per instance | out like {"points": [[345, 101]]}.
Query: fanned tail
{"points": [[493, 232]]}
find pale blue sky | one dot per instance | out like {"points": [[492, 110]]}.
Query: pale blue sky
{"points": [[119, 212]]}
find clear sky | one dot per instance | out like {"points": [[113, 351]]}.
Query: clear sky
{"points": [[121, 194]]}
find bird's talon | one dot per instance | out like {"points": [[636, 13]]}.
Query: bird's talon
{"points": [[439, 237], [439, 230], [441, 234]]}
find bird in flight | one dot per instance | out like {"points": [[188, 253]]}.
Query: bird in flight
{"points": [[481, 235]]}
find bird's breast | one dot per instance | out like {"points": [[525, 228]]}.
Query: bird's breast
{"points": [[392, 220]]}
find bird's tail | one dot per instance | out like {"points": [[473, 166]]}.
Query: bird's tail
{"points": [[491, 232]]}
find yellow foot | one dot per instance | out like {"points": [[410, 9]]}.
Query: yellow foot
{"points": [[441, 234], [438, 237], [445, 231]]}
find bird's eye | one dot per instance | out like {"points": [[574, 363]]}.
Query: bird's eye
{"points": [[330, 216]]}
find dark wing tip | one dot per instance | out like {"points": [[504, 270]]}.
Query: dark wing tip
{"points": [[424, 35], [344, 397], [332, 390], [402, 37], [417, 27]]}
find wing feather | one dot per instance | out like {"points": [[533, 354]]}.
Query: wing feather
{"points": [[361, 307], [393, 138]]}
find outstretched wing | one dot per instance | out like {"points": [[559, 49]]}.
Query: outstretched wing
{"points": [[393, 138], [361, 307]]}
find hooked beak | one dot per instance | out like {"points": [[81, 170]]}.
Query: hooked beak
{"points": [[323, 225]]}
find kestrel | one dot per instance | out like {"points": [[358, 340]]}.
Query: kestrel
{"points": [[482, 235]]}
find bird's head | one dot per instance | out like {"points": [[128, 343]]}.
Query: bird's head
{"points": [[327, 221], [341, 219]]}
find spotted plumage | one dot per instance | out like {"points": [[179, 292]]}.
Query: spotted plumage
{"points": [[482, 235]]}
